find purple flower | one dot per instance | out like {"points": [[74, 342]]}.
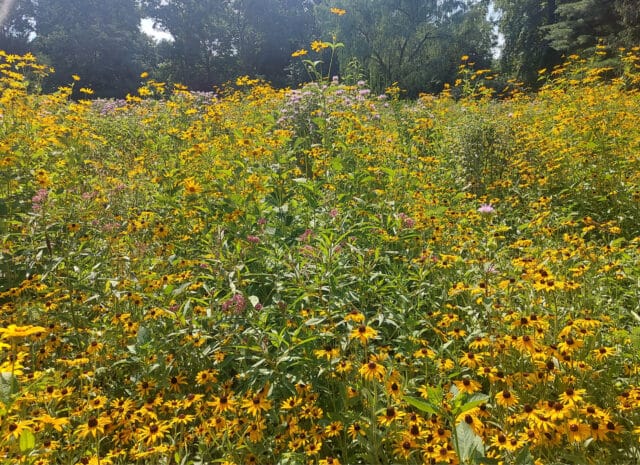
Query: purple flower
{"points": [[253, 239], [38, 199], [305, 235], [486, 209], [237, 304]]}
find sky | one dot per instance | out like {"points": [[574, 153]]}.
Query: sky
{"points": [[5, 8], [146, 25]]}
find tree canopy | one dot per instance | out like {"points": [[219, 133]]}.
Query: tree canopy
{"points": [[416, 43]]}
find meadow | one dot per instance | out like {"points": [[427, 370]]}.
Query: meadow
{"points": [[322, 275]]}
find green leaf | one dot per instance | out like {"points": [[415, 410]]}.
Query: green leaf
{"points": [[421, 405], [336, 164], [476, 400], [8, 386], [143, 336], [469, 444], [27, 440], [524, 457]]}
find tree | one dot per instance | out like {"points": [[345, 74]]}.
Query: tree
{"points": [[217, 40], [581, 24], [526, 49], [417, 43], [17, 26], [268, 31], [629, 14], [202, 53], [95, 39]]}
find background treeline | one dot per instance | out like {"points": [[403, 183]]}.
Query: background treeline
{"points": [[417, 43]]}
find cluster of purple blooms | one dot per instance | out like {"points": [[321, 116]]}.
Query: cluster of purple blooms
{"points": [[301, 103], [38, 200], [108, 106], [236, 304]]}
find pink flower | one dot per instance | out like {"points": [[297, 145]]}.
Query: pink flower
{"points": [[236, 304], [38, 199], [305, 235], [486, 209]]}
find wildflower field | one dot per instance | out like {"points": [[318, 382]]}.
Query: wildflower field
{"points": [[321, 275]]}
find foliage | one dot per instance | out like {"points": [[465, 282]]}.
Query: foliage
{"points": [[396, 41], [15, 27], [307, 276], [217, 40], [580, 24], [526, 49]]}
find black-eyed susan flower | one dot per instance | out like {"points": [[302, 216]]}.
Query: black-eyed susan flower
{"points": [[176, 382], [13, 428], [391, 414], [506, 398], [290, 403], [153, 432], [256, 429], [404, 447], [576, 430], [572, 396], [468, 385], [471, 359], [372, 370], [329, 461], [603, 353], [93, 427], [254, 405], [328, 352], [356, 430], [333, 429]]}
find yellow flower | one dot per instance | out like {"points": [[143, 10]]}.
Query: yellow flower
{"points": [[92, 427], [299, 53], [256, 404], [572, 396], [55, 423], [318, 46], [14, 429], [576, 431], [372, 370], [356, 430], [329, 461], [153, 432], [12, 331], [603, 353], [391, 414], [175, 382], [506, 398], [468, 386], [333, 429], [338, 11], [363, 333], [191, 186], [75, 77]]}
